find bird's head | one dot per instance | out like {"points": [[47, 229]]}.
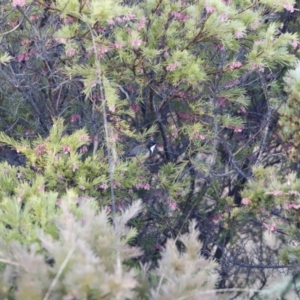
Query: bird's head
{"points": [[143, 150]]}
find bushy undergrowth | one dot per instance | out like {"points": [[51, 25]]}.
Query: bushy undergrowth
{"points": [[59, 243], [207, 81], [85, 253]]}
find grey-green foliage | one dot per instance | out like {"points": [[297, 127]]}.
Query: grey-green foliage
{"points": [[86, 260], [88, 254], [185, 275], [281, 288], [289, 112]]}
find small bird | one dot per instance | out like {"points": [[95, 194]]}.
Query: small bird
{"points": [[143, 151]]}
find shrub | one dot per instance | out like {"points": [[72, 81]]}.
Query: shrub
{"points": [[86, 259]]}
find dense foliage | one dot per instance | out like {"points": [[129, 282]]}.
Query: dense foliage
{"points": [[215, 83]]}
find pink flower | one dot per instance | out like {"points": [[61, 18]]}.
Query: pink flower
{"points": [[289, 7], [34, 17], [232, 83], [246, 201], [103, 49], [292, 205], [110, 22], [147, 186], [184, 116], [141, 23], [112, 108], [70, 52], [138, 185], [166, 54], [20, 3], [275, 193], [172, 205], [135, 107], [61, 40], [223, 17], [158, 247], [294, 193], [14, 22], [29, 132], [66, 149], [258, 67], [238, 128], [172, 66], [103, 186], [179, 16], [255, 24], [175, 132], [219, 47], [210, 9], [40, 149], [117, 183], [115, 119], [136, 43], [239, 34], [227, 208], [60, 177], [217, 217], [294, 44], [84, 138], [263, 210], [107, 208], [131, 17], [74, 168], [83, 149], [41, 188], [126, 19], [68, 20], [235, 65], [22, 57], [259, 42], [222, 101], [24, 42], [75, 118], [271, 227], [197, 135], [242, 110], [100, 29], [118, 45]]}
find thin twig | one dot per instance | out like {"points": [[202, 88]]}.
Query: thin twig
{"points": [[62, 267], [9, 262]]}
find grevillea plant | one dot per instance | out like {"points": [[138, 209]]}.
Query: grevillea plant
{"points": [[87, 258], [201, 78], [60, 162]]}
